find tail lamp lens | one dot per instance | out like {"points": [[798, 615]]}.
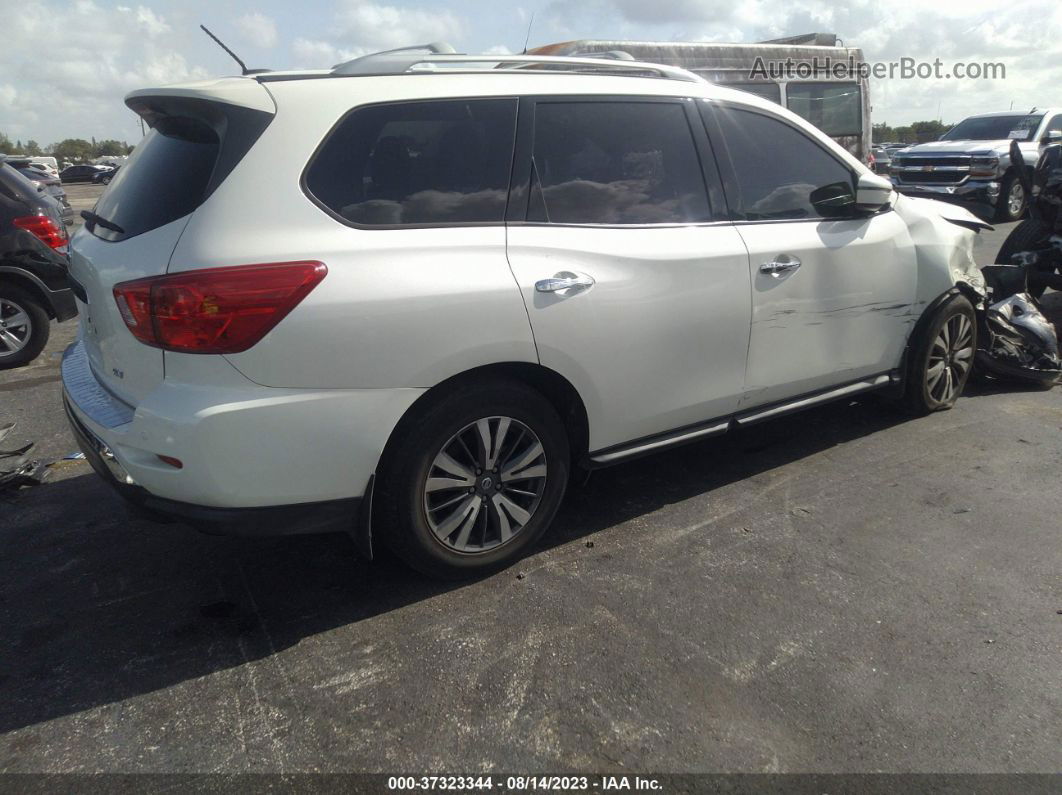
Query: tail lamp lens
{"points": [[44, 227], [215, 310]]}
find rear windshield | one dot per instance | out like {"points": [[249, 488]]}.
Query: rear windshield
{"points": [[13, 184], [164, 179]]}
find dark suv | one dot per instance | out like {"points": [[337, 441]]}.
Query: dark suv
{"points": [[33, 268]]}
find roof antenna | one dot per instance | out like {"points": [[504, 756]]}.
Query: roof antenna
{"points": [[235, 57], [527, 38]]}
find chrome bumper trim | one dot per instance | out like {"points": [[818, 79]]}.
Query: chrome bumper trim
{"points": [[86, 392]]}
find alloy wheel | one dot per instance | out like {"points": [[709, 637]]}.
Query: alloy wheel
{"points": [[16, 328], [1015, 199], [950, 358], [485, 484]]}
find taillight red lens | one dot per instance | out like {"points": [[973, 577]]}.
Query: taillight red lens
{"points": [[216, 310], [44, 227]]}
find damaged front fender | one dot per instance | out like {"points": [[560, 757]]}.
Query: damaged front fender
{"points": [[944, 238]]}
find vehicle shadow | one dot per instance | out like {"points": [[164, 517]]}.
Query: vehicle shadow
{"points": [[98, 607]]}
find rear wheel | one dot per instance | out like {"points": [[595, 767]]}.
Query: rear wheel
{"points": [[940, 362], [24, 327], [472, 480]]}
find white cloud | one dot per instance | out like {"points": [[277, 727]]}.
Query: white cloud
{"points": [[150, 22], [360, 23], [317, 54], [258, 29], [113, 46], [360, 27], [82, 81]]}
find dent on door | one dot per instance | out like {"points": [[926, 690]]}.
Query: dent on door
{"points": [[832, 301]]}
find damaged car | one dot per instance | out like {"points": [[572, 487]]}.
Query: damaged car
{"points": [[1019, 342], [467, 283]]}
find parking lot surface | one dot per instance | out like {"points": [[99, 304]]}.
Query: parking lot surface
{"points": [[842, 590]]}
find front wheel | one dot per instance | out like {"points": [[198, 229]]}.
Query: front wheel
{"points": [[1012, 200], [472, 480], [940, 361]]}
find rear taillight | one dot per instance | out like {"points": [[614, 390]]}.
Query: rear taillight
{"points": [[51, 233], [216, 310]]}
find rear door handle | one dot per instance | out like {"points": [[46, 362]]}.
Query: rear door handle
{"points": [[780, 265], [565, 280]]}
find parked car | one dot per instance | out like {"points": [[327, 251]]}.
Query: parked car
{"points": [[44, 168], [970, 164], [882, 159], [44, 162], [464, 286], [105, 177], [80, 173], [53, 186], [33, 268]]}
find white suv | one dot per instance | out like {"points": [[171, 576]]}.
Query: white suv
{"points": [[407, 296]]}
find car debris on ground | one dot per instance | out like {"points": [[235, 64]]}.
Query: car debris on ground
{"points": [[17, 469]]}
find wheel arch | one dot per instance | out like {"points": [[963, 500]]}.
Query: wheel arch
{"points": [[959, 288], [557, 389], [21, 280], [554, 387]]}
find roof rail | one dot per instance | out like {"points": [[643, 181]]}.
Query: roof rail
{"points": [[396, 62]]}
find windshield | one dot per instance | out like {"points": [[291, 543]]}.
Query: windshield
{"points": [[835, 108], [1020, 127]]}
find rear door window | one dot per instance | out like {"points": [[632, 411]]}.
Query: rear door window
{"points": [[417, 163], [615, 163], [774, 166], [164, 179]]}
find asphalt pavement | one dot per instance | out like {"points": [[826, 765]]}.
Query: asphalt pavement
{"points": [[843, 590]]}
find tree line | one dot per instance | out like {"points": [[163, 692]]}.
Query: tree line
{"points": [[74, 150], [918, 132]]}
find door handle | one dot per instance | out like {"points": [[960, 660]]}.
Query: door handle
{"points": [[565, 280], [780, 265]]}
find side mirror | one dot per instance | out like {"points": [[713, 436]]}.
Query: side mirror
{"points": [[872, 193], [1051, 137], [834, 200]]}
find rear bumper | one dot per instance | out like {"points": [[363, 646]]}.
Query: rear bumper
{"points": [[252, 459], [979, 196], [272, 520]]}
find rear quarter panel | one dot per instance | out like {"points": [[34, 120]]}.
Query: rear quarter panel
{"points": [[398, 308]]}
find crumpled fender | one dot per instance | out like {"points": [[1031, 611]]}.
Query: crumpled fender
{"points": [[944, 237]]}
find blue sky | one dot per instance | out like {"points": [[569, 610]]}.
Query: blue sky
{"points": [[66, 64]]}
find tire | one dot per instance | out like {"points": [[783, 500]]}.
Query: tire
{"points": [[105, 180], [456, 530], [22, 343], [1005, 209], [949, 344], [1022, 238]]}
